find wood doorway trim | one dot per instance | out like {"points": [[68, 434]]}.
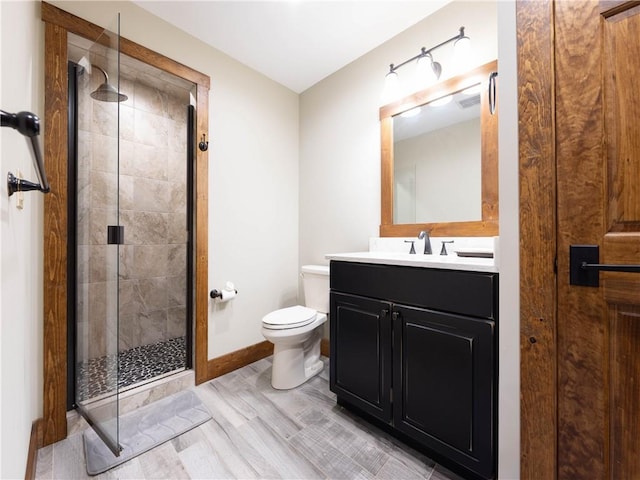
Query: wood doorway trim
{"points": [[538, 297], [58, 24]]}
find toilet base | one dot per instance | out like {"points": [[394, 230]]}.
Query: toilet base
{"points": [[295, 364]]}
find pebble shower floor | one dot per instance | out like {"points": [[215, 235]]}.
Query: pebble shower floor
{"points": [[98, 375]]}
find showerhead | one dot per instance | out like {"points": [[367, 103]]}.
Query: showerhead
{"points": [[107, 92]]}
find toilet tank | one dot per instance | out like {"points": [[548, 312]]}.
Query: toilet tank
{"points": [[315, 283]]}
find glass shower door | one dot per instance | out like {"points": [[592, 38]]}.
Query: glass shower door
{"points": [[99, 236]]}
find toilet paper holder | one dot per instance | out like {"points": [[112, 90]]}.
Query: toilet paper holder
{"points": [[215, 293], [227, 293]]}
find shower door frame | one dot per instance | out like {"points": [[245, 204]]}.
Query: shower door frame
{"points": [[58, 24]]}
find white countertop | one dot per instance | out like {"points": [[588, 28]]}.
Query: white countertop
{"points": [[448, 262]]}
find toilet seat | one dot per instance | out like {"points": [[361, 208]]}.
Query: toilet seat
{"points": [[290, 317]]}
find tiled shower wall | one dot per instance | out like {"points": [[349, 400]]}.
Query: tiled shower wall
{"points": [[152, 208]]}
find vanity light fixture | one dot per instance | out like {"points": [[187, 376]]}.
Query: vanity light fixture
{"points": [[428, 71]]}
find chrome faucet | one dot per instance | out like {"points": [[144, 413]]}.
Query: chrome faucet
{"points": [[427, 241]]}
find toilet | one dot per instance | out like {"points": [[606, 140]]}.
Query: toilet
{"points": [[296, 331]]}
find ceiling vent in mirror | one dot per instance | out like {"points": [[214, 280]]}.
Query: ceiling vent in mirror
{"points": [[469, 102]]}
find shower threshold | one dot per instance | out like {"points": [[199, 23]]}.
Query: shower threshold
{"points": [[138, 365]]}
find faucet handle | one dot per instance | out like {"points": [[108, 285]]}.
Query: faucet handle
{"points": [[443, 251], [412, 250]]}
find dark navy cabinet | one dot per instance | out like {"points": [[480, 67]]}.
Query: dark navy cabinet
{"points": [[415, 348]]}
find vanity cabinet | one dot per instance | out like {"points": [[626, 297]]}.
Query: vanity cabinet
{"points": [[415, 348]]}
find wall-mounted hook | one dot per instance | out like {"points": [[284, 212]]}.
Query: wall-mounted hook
{"points": [[203, 145]]}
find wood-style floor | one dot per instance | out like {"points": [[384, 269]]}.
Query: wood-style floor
{"points": [[258, 432]]}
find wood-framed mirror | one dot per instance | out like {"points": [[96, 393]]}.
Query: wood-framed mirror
{"points": [[440, 165]]}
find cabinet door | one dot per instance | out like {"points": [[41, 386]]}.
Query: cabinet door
{"points": [[360, 360], [444, 385]]}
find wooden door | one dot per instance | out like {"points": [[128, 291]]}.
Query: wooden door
{"points": [[597, 98]]}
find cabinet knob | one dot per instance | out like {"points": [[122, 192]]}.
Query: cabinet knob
{"points": [[384, 312]]}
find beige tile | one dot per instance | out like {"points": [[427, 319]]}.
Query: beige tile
{"points": [[176, 322], [104, 153], [153, 327], [177, 131], [144, 228], [147, 161], [82, 264], [105, 119], [150, 129], [126, 193], [127, 266], [178, 197], [178, 100], [100, 257], [177, 166], [152, 293], [177, 260], [176, 291], [98, 306], [129, 333], [83, 223], [85, 103], [151, 195], [104, 189], [149, 99], [99, 218], [176, 227], [85, 156], [127, 123], [150, 261], [131, 302]]}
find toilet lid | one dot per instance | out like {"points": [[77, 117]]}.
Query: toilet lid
{"points": [[290, 317]]}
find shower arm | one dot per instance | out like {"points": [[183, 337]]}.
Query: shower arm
{"points": [[28, 124], [106, 77]]}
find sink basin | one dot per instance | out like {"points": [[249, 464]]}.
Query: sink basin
{"points": [[450, 262]]}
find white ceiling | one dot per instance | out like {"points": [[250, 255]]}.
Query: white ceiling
{"points": [[297, 42]]}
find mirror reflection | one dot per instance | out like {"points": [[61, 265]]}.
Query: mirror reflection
{"points": [[437, 160]]}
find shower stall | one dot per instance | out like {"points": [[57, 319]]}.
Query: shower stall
{"points": [[130, 230]]}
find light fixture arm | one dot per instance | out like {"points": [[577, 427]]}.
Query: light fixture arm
{"points": [[424, 52]]}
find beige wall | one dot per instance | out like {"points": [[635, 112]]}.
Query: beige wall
{"points": [[509, 307], [21, 88]]}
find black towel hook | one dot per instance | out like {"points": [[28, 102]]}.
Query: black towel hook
{"points": [[203, 145]]}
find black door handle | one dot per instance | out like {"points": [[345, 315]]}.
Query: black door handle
{"points": [[603, 267], [584, 267]]}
